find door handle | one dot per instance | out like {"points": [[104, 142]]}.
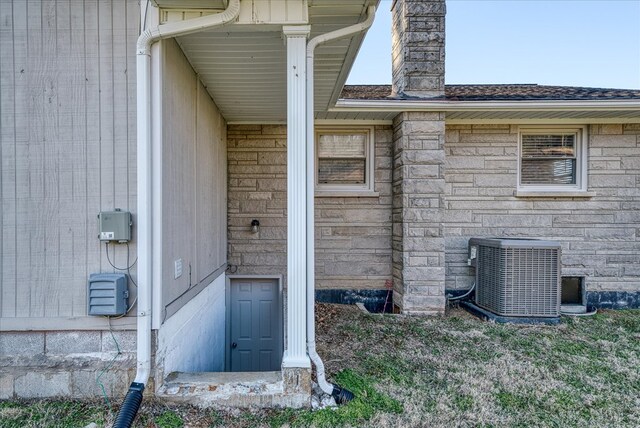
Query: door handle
{"points": [[234, 345]]}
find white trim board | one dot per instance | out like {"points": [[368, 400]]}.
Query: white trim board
{"points": [[563, 121], [426, 105], [66, 324]]}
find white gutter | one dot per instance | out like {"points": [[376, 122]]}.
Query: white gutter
{"points": [[311, 325], [347, 105], [143, 79]]}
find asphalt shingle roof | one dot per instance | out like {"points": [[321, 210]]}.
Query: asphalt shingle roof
{"points": [[526, 92]]}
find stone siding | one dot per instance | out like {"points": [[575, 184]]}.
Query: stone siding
{"points": [[418, 213], [66, 364], [600, 235], [353, 234]]}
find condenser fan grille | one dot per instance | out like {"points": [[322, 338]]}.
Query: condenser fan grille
{"points": [[518, 277]]}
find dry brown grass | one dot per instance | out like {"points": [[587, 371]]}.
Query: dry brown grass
{"points": [[453, 371], [459, 371]]}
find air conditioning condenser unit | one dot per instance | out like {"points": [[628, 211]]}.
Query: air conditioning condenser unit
{"points": [[517, 277]]}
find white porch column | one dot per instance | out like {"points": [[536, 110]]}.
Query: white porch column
{"points": [[296, 354]]}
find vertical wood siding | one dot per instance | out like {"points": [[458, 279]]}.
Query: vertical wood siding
{"points": [[67, 121], [194, 159]]}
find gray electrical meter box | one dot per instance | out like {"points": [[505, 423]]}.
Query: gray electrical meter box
{"points": [[115, 226], [107, 294]]}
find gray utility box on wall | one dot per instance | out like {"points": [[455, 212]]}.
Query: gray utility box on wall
{"points": [[107, 294], [115, 226], [517, 277]]}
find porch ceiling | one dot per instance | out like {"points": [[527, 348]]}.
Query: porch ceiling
{"points": [[244, 67]]}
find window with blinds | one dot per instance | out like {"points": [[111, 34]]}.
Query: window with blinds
{"points": [[548, 159], [343, 160], [552, 159]]}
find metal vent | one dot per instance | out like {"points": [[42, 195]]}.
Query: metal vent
{"points": [[518, 277], [107, 294]]}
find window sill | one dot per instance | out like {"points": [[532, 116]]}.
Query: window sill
{"points": [[346, 194], [554, 194]]}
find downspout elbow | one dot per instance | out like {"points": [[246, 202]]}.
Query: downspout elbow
{"points": [[342, 32], [145, 40], [190, 26]]}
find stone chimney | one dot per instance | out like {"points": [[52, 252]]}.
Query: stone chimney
{"points": [[418, 245], [417, 51]]}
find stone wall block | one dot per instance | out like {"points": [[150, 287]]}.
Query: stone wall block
{"points": [[272, 158], [414, 245], [87, 383], [495, 180], [629, 217], [425, 202], [419, 273], [26, 344], [615, 129], [617, 141], [613, 181], [417, 127], [40, 385], [415, 186], [127, 341], [242, 156], [75, 342], [420, 8], [424, 157], [6, 386], [423, 171], [418, 304], [297, 381]]}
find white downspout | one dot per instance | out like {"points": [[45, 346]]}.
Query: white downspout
{"points": [[143, 79], [311, 325]]}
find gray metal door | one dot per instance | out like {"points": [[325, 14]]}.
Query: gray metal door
{"points": [[256, 325]]}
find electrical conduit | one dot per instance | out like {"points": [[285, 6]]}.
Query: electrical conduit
{"points": [[143, 79], [341, 395]]}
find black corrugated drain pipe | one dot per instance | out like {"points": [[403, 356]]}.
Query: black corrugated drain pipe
{"points": [[130, 406], [341, 395]]}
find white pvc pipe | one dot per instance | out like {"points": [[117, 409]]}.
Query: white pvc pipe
{"points": [[143, 83], [311, 324]]}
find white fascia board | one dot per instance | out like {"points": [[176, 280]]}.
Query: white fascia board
{"points": [[545, 121], [343, 105]]}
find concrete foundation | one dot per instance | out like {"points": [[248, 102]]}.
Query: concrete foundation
{"points": [[77, 364], [291, 388]]}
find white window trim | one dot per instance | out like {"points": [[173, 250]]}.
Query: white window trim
{"points": [[574, 190], [349, 190]]}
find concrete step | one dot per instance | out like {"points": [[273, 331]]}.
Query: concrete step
{"points": [[230, 389]]}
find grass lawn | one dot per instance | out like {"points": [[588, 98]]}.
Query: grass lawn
{"points": [[454, 371]]}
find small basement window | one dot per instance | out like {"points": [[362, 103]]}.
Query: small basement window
{"points": [[344, 161], [573, 292], [552, 159]]}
